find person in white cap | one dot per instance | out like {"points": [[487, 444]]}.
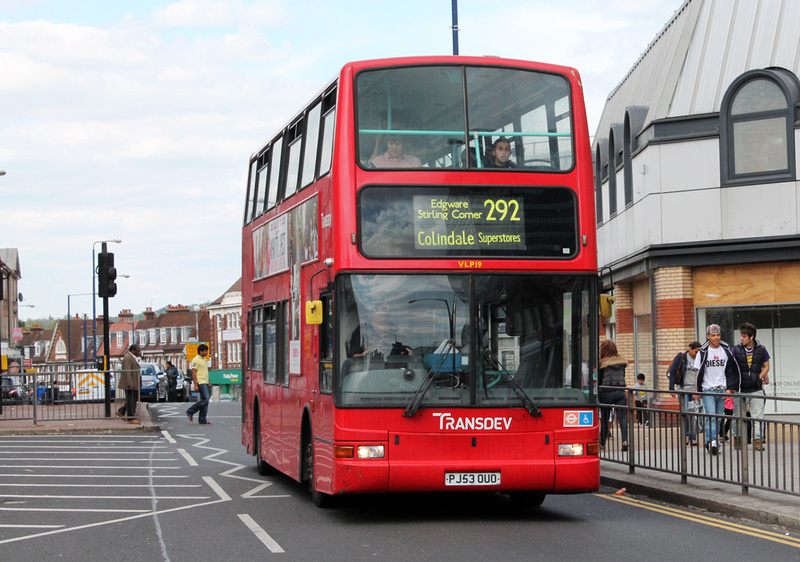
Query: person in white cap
{"points": [[717, 374]]}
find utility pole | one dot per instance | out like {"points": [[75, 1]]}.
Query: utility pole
{"points": [[455, 27]]}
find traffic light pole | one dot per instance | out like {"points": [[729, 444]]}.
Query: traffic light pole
{"points": [[106, 364]]}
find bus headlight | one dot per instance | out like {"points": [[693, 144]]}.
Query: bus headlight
{"points": [[370, 451], [570, 450]]}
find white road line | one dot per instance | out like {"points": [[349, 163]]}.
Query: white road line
{"points": [[32, 526], [41, 466], [261, 534], [117, 497], [67, 510], [48, 447], [188, 457], [61, 485], [85, 459], [14, 475], [168, 437], [216, 487], [99, 449], [139, 515]]}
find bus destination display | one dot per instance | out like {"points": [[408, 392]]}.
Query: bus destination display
{"points": [[468, 222]]}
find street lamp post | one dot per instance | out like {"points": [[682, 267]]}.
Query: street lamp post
{"points": [[196, 322], [94, 293]]}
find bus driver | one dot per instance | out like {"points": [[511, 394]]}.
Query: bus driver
{"points": [[378, 335]]}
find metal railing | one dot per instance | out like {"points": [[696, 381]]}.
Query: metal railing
{"points": [[57, 392], [660, 443]]}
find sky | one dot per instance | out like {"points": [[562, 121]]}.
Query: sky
{"points": [[135, 120]]}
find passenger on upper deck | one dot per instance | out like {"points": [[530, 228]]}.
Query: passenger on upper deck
{"points": [[395, 156], [500, 155]]}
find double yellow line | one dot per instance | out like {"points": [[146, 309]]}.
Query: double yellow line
{"points": [[705, 520]]}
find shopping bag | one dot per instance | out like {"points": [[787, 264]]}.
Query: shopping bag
{"points": [[698, 422]]}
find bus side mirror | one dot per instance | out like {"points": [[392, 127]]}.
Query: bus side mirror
{"points": [[606, 305], [314, 313]]}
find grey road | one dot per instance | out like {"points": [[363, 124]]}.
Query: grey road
{"points": [[191, 493]]}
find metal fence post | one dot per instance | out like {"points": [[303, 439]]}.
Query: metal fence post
{"points": [[683, 419], [744, 475]]}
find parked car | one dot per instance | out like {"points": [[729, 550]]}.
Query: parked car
{"points": [[14, 391], [154, 383]]}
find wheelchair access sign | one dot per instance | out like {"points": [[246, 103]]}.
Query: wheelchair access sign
{"points": [[578, 418]]}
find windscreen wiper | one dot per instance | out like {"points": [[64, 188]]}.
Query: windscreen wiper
{"points": [[506, 376], [416, 401]]}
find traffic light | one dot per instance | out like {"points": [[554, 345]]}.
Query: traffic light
{"points": [[106, 274], [606, 303]]}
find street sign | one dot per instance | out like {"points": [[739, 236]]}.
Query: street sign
{"points": [[191, 350]]}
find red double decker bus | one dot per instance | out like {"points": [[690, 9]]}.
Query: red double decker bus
{"points": [[420, 284]]}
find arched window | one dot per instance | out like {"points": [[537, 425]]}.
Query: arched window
{"points": [[634, 121], [600, 173], [614, 163], [757, 127]]}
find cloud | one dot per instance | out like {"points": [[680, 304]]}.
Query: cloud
{"points": [[215, 14]]}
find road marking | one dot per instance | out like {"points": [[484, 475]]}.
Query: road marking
{"points": [[41, 466], [261, 534], [705, 520], [216, 487], [48, 447], [139, 515], [104, 476], [188, 457], [60, 485], [86, 459], [117, 497], [32, 526], [67, 510], [168, 437]]}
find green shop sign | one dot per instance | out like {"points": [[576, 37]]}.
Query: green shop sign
{"points": [[225, 376]]}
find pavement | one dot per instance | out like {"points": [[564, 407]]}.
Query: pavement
{"points": [[98, 425], [760, 506]]}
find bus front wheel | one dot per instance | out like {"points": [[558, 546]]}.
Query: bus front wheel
{"points": [[320, 499], [262, 466]]}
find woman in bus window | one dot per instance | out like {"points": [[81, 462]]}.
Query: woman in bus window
{"points": [[395, 155]]}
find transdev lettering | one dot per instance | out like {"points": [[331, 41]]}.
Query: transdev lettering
{"points": [[448, 422]]}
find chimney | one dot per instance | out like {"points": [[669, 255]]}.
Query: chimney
{"points": [[125, 315], [177, 308], [149, 314], [36, 329]]}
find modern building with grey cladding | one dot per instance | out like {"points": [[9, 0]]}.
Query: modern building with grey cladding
{"points": [[697, 196]]}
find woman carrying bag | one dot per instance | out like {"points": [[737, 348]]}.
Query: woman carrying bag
{"points": [[612, 374]]}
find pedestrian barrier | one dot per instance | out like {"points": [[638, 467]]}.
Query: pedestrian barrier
{"points": [[57, 392], [660, 443]]}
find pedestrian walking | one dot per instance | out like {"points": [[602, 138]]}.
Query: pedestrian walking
{"points": [[172, 382], [199, 371], [717, 375], [130, 381], [753, 361], [612, 374], [683, 374]]}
